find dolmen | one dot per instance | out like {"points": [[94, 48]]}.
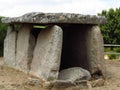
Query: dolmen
{"points": [[55, 47]]}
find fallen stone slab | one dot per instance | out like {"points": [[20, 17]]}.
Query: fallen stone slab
{"points": [[47, 53], [71, 77], [74, 74]]}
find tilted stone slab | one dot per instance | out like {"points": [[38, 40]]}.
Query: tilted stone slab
{"points": [[10, 47], [95, 50], [47, 53], [48, 18], [25, 46]]}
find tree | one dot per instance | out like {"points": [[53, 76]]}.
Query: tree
{"points": [[111, 30], [3, 29]]}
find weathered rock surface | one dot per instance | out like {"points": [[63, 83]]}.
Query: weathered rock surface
{"points": [[72, 77], [47, 53], [10, 47], [25, 46], [74, 74], [65, 18], [95, 50]]}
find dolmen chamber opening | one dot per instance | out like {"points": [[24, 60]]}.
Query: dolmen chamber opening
{"points": [[55, 46]]}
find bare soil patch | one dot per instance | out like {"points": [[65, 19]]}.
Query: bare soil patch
{"points": [[113, 76], [11, 79]]}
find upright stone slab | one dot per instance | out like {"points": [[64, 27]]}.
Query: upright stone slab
{"points": [[47, 53], [95, 50], [25, 46], [10, 47]]}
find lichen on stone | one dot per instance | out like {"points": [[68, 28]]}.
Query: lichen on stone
{"points": [[62, 18]]}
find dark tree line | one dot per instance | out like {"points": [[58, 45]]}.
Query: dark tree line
{"points": [[3, 29]]}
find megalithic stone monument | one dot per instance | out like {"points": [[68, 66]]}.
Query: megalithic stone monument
{"points": [[48, 43]]}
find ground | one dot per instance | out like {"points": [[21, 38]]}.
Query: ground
{"points": [[113, 76], [11, 79]]}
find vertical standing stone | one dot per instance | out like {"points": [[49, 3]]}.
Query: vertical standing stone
{"points": [[10, 47], [95, 50], [25, 46], [47, 53]]}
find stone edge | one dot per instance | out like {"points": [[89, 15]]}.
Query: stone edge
{"points": [[56, 18]]}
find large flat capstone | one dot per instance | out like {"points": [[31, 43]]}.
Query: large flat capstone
{"points": [[56, 18], [47, 53]]}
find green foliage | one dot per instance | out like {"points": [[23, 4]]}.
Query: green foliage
{"points": [[3, 29], [111, 30], [113, 56], [42, 27], [107, 49], [113, 50], [116, 49]]}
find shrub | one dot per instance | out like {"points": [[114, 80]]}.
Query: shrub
{"points": [[3, 30]]}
